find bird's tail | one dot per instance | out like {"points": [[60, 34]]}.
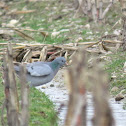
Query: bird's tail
{"points": [[16, 67]]}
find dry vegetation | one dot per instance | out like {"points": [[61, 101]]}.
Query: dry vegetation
{"points": [[42, 30]]}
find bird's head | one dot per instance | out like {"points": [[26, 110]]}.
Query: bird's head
{"points": [[61, 61]]}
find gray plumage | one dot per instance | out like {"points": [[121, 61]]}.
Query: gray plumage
{"points": [[39, 73]]}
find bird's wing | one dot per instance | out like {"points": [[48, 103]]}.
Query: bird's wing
{"points": [[39, 63], [16, 68], [40, 70]]}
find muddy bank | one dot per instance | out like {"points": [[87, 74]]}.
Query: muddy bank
{"points": [[59, 95]]}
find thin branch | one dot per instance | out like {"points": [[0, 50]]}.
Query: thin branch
{"points": [[106, 10]]}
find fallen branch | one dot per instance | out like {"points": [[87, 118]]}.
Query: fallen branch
{"points": [[22, 12], [23, 35], [112, 41], [21, 53]]}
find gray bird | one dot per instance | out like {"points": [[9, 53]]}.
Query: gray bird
{"points": [[39, 73]]}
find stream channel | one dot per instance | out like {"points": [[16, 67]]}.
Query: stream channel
{"points": [[58, 93]]}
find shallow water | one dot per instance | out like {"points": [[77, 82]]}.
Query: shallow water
{"points": [[59, 95]]}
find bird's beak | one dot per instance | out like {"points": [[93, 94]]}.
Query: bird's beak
{"points": [[66, 64]]}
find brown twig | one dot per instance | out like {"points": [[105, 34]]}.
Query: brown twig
{"points": [[24, 98], [76, 114], [102, 117], [12, 104]]}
